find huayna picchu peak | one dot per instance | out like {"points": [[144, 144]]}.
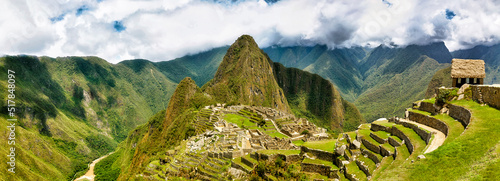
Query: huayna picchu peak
{"points": [[245, 76]]}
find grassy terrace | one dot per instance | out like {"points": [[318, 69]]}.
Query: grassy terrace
{"points": [[298, 142], [283, 152], [384, 123], [474, 155], [382, 134], [238, 161], [352, 168], [321, 162], [455, 128], [368, 162], [325, 145], [238, 120]]}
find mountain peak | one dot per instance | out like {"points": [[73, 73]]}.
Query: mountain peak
{"points": [[245, 76]]}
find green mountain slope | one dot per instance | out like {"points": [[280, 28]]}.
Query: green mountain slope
{"points": [[74, 109], [375, 80]]}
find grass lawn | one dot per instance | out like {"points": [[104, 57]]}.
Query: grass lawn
{"points": [[431, 100], [239, 120], [284, 152], [325, 145]]}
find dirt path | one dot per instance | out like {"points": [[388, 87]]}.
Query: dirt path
{"points": [[438, 140], [90, 174]]}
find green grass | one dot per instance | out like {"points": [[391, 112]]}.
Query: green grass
{"points": [[238, 161], [382, 134], [241, 121], [283, 152], [320, 162], [431, 100], [479, 163], [298, 142], [325, 145]]}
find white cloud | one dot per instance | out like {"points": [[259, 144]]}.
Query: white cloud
{"points": [[161, 30]]}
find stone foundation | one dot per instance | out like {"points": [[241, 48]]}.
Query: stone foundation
{"points": [[321, 169]]}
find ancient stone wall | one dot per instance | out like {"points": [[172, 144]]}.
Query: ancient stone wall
{"points": [[319, 154], [393, 142], [370, 146], [293, 158], [424, 134], [395, 131], [371, 156], [385, 152], [460, 113], [377, 138], [377, 127], [239, 167], [316, 168], [428, 121], [363, 168], [247, 162], [486, 94], [427, 107]]}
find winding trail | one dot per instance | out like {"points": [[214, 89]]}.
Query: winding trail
{"points": [[90, 174], [438, 140]]}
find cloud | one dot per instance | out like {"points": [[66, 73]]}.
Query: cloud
{"points": [[161, 30]]}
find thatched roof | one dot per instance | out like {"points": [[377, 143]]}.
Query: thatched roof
{"points": [[467, 68]]}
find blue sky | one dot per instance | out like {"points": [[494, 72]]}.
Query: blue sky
{"points": [[161, 30]]}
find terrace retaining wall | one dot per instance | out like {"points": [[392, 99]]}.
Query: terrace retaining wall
{"points": [[377, 127], [321, 169], [428, 121], [319, 154], [370, 146], [371, 156], [460, 113], [377, 138], [393, 142], [425, 135], [427, 107], [395, 131]]}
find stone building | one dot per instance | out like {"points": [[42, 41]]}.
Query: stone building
{"points": [[467, 71]]}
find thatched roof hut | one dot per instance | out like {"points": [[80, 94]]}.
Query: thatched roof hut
{"points": [[467, 68]]}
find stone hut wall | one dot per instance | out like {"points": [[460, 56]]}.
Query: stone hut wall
{"points": [[395, 131], [486, 94], [429, 121], [319, 154], [370, 146], [377, 127], [427, 107], [460, 113]]}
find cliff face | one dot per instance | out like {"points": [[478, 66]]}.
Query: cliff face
{"points": [[245, 76], [311, 93]]}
